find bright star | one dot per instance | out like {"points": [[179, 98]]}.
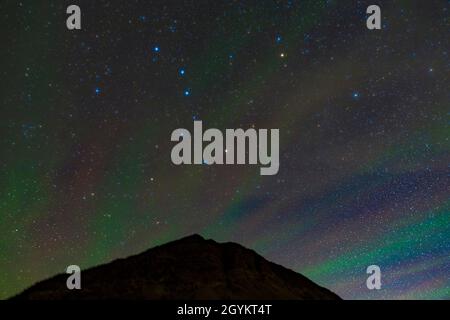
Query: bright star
{"points": [[187, 92]]}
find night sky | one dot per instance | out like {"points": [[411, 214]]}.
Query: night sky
{"points": [[86, 118]]}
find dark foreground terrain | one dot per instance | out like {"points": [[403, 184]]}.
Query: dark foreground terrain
{"points": [[189, 268]]}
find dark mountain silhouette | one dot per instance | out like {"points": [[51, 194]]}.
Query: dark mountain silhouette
{"points": [[189, 268]]}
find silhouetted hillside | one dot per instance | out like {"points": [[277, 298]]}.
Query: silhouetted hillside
{"points": [[189, 268]]}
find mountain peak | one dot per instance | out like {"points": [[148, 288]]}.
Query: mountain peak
{"points": [[192, 237], [187, 268]]}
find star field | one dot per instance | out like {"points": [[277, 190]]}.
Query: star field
{"points": [[86, 118]]}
